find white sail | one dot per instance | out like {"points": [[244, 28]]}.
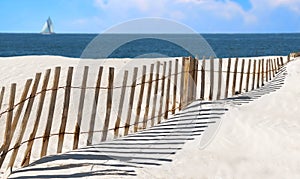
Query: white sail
{"points": [[48, 27]]}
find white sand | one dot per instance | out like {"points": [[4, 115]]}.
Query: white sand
{"points": [[256, 140]]}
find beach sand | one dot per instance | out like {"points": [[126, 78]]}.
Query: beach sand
{"points": [[255, 140]]}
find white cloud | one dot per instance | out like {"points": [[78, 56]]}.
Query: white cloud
{"points": [[291, 4], [269, 5], [177, 9], [220, 15]]}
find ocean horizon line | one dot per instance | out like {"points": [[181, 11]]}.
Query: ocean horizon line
{"points": [[204, 33]]}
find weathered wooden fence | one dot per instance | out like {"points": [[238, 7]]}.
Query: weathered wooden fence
{"points": [[153, 93]]}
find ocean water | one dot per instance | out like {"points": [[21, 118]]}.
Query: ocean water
{"points": [[224, 45]]}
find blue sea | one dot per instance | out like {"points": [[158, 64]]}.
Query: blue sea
{"points": [[224, 45]]}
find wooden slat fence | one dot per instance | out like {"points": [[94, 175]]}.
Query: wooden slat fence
{"points": [[147, 98]]}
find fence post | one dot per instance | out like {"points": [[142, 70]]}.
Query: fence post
{"points": [[80, 108], [234, 76], [227, 77], [288, 58], [242, 76], [7, 139], [120, 109], [168, 91], [175, 87], [145, 120], [254, 74], [155, 93], [94, 107], [219, 79], [202, 79], [248, 76], [160, 114], [65, 112], [131, 98], [108, 102], [25, 120], [27, 153], [140, 100], [212, 71]]}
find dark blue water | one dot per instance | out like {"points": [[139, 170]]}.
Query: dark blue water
{"points": [[224, 45]]}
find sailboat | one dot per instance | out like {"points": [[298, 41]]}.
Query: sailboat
{"points": [[48, 27]]}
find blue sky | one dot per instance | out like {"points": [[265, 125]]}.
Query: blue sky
{"points": [[204, 16]]}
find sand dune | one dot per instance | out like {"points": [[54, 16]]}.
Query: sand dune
{"points": [[258, 139], [255, 140]]}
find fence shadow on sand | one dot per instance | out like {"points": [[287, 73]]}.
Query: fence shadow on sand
{"points": [[151, 147]]}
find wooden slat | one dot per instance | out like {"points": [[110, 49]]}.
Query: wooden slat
{"points": [[186, 63], [121, 104], [191, 82], [275, 66], [181, 84], [262, 72], [140, 100], [25, 120], [270, 69], [28, 150], [149, 90], [253, 75], [202, 79], [1, 96], [80, 108], [167, 100], [51, 112], [258, 74], [267, 70], [196, 66], [212, 78], [281, 60], [110, 91], [227, 78], [234, 76], [160, 113], [248, 75], [20, 108], [65, 112], [131, 99], [94, 108], [155, 93], [175, 87], [220, 79], [7, 138], [278, 63], [242, 76], [273, 69]]}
